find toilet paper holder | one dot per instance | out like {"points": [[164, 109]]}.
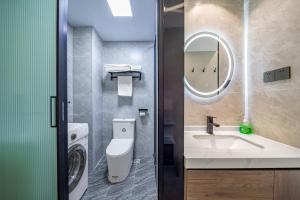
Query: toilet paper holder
{"points": [[143, 112]]}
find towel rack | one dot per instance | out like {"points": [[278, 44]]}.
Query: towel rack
{"points": [[134, 74]]}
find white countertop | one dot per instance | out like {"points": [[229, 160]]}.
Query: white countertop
{"points": [[265, 153]]}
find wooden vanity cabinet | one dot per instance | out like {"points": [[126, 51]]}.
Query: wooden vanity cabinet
{"points": [[287, 185], [242, 185]]}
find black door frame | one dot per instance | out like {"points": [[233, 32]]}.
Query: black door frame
{"points": [[160, 98], [166, 174], [61, 103]]}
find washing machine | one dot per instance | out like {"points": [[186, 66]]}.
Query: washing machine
{"points": [[77, 159]]}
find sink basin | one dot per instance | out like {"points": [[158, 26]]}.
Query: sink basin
{"points": [[225, 142]]}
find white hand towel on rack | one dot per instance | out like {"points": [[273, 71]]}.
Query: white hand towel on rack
{"points": [[125, 86]]}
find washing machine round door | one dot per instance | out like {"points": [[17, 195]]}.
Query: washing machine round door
{"points": [[77, 163]]}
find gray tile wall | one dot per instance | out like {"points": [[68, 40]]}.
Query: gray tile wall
{"points": [[136, 53], [87, 90], [70, 72], [97, 95], [82, 82], [95, 100]]}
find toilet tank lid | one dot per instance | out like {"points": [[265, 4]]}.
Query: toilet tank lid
{"points": [[124, 120]]}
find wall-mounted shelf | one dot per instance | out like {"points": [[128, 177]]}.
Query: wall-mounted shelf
{"points": [[134, 74]]}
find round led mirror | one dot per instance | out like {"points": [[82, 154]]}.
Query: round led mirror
{"points": [[208, 65]]}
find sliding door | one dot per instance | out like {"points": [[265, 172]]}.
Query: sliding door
{"points": [[28, 157]]}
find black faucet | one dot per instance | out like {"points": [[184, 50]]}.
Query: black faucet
{"points": [[211, 124]]}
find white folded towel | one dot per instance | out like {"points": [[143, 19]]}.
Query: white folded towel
{"points": [[136, 68], [116, 68], [121, 67], [125, 86]]}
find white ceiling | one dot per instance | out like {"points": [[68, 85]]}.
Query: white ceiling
{"points": [[96, 13]]}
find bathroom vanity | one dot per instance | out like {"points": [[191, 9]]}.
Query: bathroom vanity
{"points": [[230, 165]]}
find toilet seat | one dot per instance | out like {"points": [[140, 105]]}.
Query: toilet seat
{"points": [[119, 147]]}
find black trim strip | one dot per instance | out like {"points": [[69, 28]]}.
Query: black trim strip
{"points": [[160, 108], [61, 105]]}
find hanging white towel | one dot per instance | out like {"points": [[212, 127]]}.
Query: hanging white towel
{"points": [[125, 86]]}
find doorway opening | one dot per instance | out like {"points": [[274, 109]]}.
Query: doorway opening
{"points": [[111, 99]]}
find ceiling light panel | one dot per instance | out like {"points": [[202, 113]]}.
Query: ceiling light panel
{"points": [[120, 8]]}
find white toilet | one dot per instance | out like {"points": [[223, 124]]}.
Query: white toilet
{"points": [[119, 152]]}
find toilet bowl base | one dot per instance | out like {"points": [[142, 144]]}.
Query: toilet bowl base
{"points": [[119, 165]]}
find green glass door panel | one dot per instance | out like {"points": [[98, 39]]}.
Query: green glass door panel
{"points": [[27, 80]]}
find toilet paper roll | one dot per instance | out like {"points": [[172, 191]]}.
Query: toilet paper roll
{"points": [[142, 114]]}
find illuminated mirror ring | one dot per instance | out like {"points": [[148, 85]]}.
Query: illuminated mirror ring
{"points": [[229, 55]]}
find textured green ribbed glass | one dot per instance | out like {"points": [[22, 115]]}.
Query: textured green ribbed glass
{"points": [[27, 79]]}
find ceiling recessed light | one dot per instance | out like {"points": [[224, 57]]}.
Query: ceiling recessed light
{"points": [[120, 8]]}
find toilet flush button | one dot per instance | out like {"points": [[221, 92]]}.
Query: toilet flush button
{"points": [[123, 130]]}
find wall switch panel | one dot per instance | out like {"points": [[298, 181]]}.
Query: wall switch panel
{"points": [[277, 74], [269, 76], [283, 73]]}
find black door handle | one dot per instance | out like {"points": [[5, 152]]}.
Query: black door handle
{"points": [[53, 123]]}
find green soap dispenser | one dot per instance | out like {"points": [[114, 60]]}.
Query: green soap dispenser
{"points": [[246, 128]]}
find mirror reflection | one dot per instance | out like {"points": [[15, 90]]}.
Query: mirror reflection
{"points": [[208, 65]]}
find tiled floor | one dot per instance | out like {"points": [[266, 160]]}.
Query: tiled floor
{"points": [[139, 185]]}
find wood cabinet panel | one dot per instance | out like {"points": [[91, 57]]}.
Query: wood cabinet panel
{"points": [[229, 184], [287, 185]]}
